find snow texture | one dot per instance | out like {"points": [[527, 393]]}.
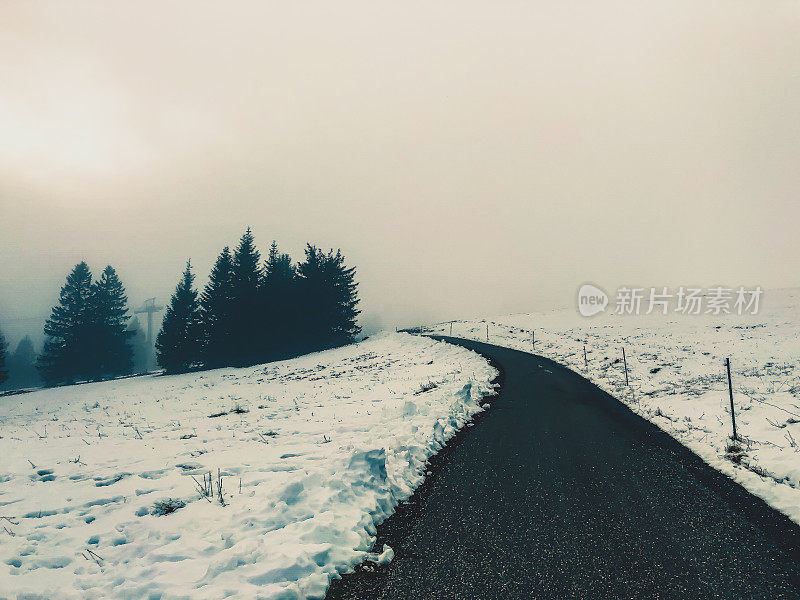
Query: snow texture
{"points": [[100, 487], [678, 379]]}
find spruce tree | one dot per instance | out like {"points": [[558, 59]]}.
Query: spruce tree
{"points": [[278, 306], [329, 297], [3, 370], [246, 326], [113, 353], [178, 345], [344, 326], [67, 355], [215, 312], [309, 309]]}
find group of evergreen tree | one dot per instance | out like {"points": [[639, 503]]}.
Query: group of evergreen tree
{"points": [[251, 312], [19, 366], [87, 336]]}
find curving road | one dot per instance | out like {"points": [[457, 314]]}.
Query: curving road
{"points": [[559, 491]]}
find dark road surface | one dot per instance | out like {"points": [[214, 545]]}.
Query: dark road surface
{"points": [[559, 491]]}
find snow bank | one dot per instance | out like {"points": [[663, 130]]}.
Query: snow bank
{"points": [[99, 482], [679, 382]]}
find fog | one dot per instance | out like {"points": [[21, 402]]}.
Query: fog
{"points": [[469, 158]]}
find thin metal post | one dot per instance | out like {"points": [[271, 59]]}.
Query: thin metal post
{"points": [[625, 362], [585, 360], [730, 393], [451, 328]]}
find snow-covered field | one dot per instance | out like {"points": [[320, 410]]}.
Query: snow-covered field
{"points": [[312, 453], [678, 379]]}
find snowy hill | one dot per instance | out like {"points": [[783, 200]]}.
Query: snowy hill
{"points": [[113, 489], [678, 379]]}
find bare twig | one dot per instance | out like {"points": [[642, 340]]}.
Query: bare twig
{"points": [[788, 436], [205, 489]]}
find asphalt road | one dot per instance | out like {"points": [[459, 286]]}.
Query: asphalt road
{"points": [[559, 491]]}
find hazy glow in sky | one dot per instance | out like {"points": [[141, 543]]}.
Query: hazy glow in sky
{"points": [[469, 157]]}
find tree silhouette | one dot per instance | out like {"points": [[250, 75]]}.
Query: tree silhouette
{"points": [[68, 353], [246, 332], [178, 345], [109, 305], [279, 316], [329, 297], [216, 304], [343, 327]]}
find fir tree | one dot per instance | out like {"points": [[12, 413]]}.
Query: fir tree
{"points": [[216, 304], [279, 304], [344, 326], [68, 352], [329, 297], [113, 353], [246, 326], [178, 345], [309, 309], [3, 370]]}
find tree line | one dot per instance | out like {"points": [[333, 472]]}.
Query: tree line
{"points": [[18, 368], [250, 311]]}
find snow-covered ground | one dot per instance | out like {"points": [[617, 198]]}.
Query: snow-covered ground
{"points": [[678, 379], [312, 454]]}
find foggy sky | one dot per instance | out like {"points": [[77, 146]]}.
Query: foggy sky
{"points": [[469, 158]]}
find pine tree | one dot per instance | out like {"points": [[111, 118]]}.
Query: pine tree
{"points": [[3, 370], [329, 296], [113, 353], [216, 305], [246, 326], [178, 345], [308, 311], [278, 306], [68, 351], [344, 326]]}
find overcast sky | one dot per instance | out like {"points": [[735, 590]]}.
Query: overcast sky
{"points": [[469, 158]]}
